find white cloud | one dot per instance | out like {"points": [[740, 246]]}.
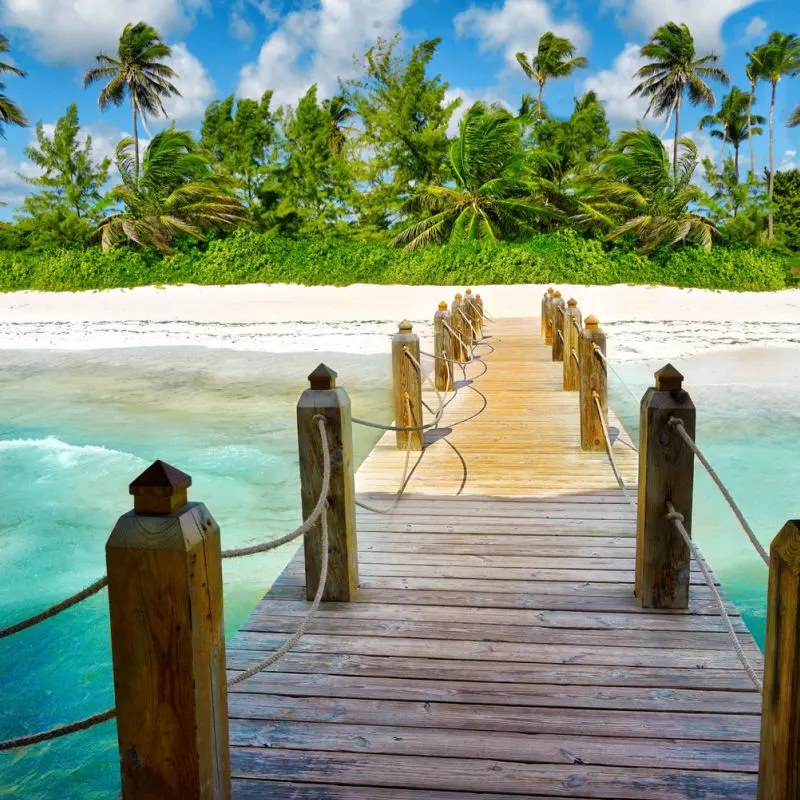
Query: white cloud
{"points": [[705, 18], [75, 31], [196, 87], [614, 86], [317, 45], [789, 161], [517, 26], [12, 188], [468, 99], [706, 148], [754, 30], [239, 23]]}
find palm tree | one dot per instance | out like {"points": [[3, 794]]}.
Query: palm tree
{"points": [[654, 203], [778, 57], [673, 69], [553, 59], [734, 122], [750, 71], [794, 119], [138, 71], [10, 112], [339, 112], [493, 196], [177, 193]]}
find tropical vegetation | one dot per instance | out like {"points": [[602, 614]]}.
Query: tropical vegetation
{"points": [[390, 179]]}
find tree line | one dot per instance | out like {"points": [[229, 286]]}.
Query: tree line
{"points": [[375, 161]]}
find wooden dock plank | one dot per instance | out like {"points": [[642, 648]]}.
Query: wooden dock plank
{"points": [[494, 648]]}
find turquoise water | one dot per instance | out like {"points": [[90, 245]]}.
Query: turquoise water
{"points": [[75, 429], [748, 425]]}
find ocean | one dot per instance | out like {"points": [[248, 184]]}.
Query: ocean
{"points": [[77, 426]]}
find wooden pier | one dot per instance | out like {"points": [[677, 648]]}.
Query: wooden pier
{"points": [[494, 648]]}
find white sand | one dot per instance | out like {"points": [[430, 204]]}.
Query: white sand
{"points": [[359, 318]]}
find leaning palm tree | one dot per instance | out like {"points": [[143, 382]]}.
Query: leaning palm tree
{"points": [[654, 200], [554, 59], [10, 112], [771, 61], [494, 196], [733, 123], [138, 71], [750, 71], [339, 112], [673, 69], [794, 119], [177, 193]]}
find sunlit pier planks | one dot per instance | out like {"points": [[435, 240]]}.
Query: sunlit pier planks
{"points": [[494, 648]]}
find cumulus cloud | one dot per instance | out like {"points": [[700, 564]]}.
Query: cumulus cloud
{"points": [[705, 18], [196, 87], [517, 26], [317, 45], [12, 188], [754, 30], [240, 24], [614, 86], [468, 98], [74, 32], [789, 161]]}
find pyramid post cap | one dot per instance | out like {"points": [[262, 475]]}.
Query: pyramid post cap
{"points": [[668, 379], [323, 377], [592, 322], [550, 290], [557, 294], [469, 291], [572, 302], [160, 489], [443, 306], [405, 326], [477, 297], [458, 296]]}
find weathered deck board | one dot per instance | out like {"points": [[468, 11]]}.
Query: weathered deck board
{"points": [[495, 649]]}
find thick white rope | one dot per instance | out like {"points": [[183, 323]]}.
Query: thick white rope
{"points": [[475, 333], [575, 356], [59, 731], [304, 625], [678, 425], [413, 359], [467, 347], [677, 520], [609, 450], [602, 356]]}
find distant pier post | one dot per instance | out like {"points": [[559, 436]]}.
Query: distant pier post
{"points": [[443, 349], [558, 311], [168, 643], [480, 317], [325, 399], [779, 767], [548, 295], [666, 474], [457, 324], [593, 383], [407, 383], [472, 316], [572, 325]]}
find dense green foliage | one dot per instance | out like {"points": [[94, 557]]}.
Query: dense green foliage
{"points": [[249, 257], [787, 216]]}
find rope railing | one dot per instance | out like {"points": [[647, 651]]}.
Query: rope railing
{"points": [[680, 428], [677, 520], [574, 355], [475, 334], [467, 347], [560, 336], [602, 356], [437, 417], [576, 325], [609, 449]]}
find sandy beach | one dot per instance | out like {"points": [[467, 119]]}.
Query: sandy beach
{"points": [[642, 321]]}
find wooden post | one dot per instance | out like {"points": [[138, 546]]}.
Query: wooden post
{"points": [[593, 381], [407, 383], [779, 765], [325, 399], [548, 318], [480, 317], [666, 473], [168, 643], [443, 348], [545, 311], [457, 324], [557, 311], [471, 314], [572, 375]]}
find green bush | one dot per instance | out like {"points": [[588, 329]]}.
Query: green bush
{"points": [[248, 257]]}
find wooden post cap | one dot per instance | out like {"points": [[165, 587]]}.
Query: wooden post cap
{"points": [[592, 322], [668, 379], [477, 297], [405, 326], [323, 377], [557, 294], [160, 489], [443, 306], [469, 291], [572, 302], [458, 296], [550, 290]]}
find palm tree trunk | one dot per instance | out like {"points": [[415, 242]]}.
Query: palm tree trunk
{"points": [[750, 130], [736, 160], [722, 150], [135, 139], [771, 221], [541, 89], [677, 135]]}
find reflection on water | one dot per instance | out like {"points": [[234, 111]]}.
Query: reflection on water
{"points": [[75, 429], [748, 425]]}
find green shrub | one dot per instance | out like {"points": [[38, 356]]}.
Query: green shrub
{"points": [[247, 257]]}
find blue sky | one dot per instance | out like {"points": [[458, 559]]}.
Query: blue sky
{"points": [[247, 46]]}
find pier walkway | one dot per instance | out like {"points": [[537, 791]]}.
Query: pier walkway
{"points": [[494, 648]]}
